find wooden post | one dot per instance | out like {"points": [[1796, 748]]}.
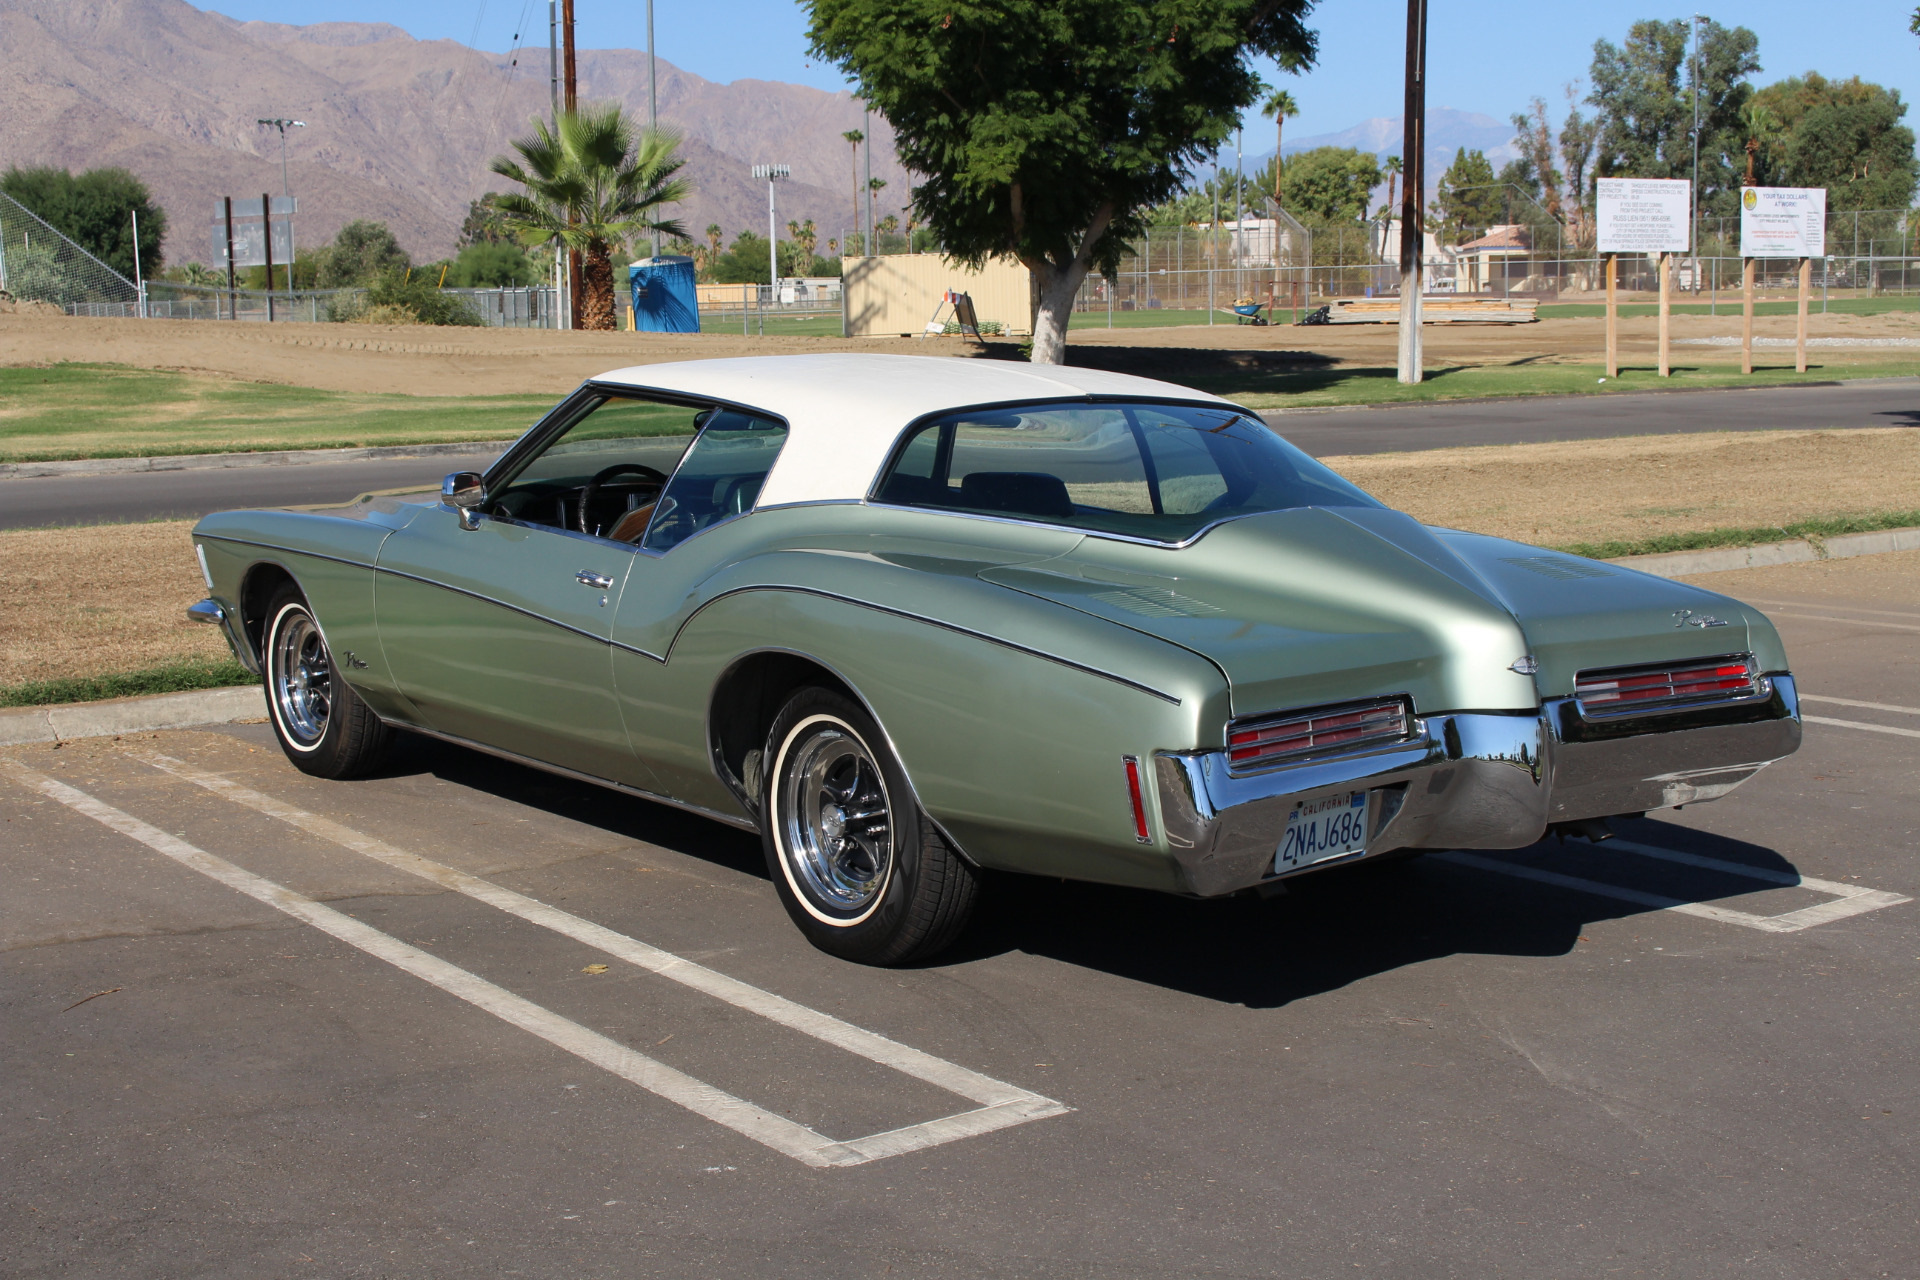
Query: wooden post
{"points": [[1613, 316], [1800, 331], [1746, 315], [1666, 277], [266, 225], [1413, 191], [233, 299]]}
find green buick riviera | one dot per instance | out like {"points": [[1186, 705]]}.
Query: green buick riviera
{"points": [[910, 618]]}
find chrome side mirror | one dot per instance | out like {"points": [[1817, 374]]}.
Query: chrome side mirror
{"points": [[465, 492]]}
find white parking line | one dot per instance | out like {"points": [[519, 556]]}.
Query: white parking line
{"points": [[1001, 1104], [1861, 724], [1827, 617], [1848, 900], [1849, 608], [1868, 706], [785, 1136]]}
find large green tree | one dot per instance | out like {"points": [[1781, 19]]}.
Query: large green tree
{"points": [[1644, 95], [1044, 130], [592, 183], [362, 252], [1329, 184], [1467, 199], [94, 210], [1844, 135]]}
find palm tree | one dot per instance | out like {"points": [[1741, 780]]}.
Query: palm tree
{"points": [[1394, 167], [1762, 128], [593, 182], [1279, 106], [855, 137]]}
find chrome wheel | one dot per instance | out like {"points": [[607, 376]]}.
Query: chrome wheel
{"points": [[300, 677], [834, 819]]}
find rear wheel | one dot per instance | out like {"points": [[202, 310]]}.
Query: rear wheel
{"points": [[858, 866], [322, 725]]}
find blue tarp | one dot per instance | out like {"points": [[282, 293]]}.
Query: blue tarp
{"points": [[664, 300]]}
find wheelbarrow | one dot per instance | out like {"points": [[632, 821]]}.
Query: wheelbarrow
{"points": [[1247, 311]]}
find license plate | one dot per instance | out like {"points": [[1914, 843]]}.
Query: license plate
{"points": [[1330, 827]]}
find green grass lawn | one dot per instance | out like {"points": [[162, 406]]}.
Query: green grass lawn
{"points": [[774, 326], [1380, 385], [112, 411]]}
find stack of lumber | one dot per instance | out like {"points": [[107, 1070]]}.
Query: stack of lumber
{"points": [[1440, 308]]}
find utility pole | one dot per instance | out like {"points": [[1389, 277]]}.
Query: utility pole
{"points": [[1412, 190], [571, 99], [233, 298], [772, 173], [1697, 20], [866, 127], [653, 102], [553, 58]]}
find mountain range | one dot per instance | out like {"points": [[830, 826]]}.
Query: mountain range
{"points": [[402, 130], [397, 129]]}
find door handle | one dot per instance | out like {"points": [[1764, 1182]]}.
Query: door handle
{"points": [[588, 578]]}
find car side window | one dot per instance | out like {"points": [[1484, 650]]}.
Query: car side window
{"points": [[603, 473], [719, 478]]}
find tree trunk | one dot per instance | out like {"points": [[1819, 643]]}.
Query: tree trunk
{"points": [[1054, 286], [1279, 141], [596, 288]]}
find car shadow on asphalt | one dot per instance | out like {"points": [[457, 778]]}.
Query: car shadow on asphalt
{"points": [[1347, 924], [1329, 930]]}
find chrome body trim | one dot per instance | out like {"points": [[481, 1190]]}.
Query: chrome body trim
{"points": [[514, 757], [1469, 780], [213, 612]]}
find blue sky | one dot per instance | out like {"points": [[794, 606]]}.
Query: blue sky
{"points": [[1490, 56]]}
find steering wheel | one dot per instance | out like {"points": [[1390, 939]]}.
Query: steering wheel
{"points": [[591, 489]]}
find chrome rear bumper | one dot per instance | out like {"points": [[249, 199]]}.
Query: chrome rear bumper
{"points": [[1472, 780]]}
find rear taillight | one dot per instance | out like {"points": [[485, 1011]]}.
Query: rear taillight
{"points": [[1619, 691], [1255, 742], [1139, 800]]}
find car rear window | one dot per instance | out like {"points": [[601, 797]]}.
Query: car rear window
{"points": [[1143, 470]]}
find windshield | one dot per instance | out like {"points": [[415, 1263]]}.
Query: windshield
{"points": [[1143, 470]]}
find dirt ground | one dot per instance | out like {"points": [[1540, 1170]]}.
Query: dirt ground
{"points": [[420, 360], [1643, 486], [103, 599]]}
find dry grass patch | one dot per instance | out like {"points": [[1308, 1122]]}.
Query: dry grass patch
{"points": [[1646, 486], [99, 598]]}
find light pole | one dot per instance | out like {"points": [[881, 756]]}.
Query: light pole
{"points": [[286, 189], [653, 103], [772, 173], [1697, 20]]}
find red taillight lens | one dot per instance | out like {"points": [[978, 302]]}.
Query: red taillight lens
{"points": [[1623, 689], [1263, 740], [1140, 831]]}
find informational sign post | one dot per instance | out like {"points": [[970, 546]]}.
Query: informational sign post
{"points": [[1642, 216], [1781, 222]]}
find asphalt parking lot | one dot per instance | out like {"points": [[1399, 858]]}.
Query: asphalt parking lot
{"points": [[470, 1020]]}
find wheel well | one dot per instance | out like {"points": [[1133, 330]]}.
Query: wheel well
{"points": [[257, 589], [745, 701]]}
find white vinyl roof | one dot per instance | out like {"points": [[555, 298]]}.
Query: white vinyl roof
{"points": [[846, 410]]}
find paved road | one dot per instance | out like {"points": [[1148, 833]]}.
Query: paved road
{"points": [[1435, 1070], [149, 496]]}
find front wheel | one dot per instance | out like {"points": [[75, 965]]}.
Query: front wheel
{"points": [[322, 725], [858, 866]]}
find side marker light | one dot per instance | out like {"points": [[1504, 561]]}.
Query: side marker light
{"points": [[1140, 831]]}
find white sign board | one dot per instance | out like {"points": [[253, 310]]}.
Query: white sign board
{"points": [[1644, 215], [1783, 222], [250, 241]]}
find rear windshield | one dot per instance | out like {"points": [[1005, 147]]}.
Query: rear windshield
{"points": [[1143, 470]]}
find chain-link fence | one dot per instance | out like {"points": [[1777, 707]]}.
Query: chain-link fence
{"points": [[38, 264]]}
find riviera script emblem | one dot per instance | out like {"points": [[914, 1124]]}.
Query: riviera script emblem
{"points": [[1688, 618]]}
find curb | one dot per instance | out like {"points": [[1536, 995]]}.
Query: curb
{"points": [[270, 458], [131, 715], [1676, 564]]}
